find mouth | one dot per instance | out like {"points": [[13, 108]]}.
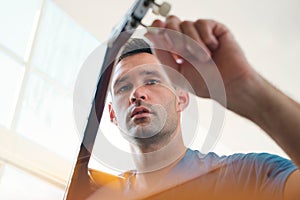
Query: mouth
{"points": [[139, 112]]}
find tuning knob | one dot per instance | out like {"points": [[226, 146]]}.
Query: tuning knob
{"points": [[162, 9]]}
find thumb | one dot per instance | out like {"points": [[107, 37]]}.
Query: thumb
{"points": [[160, 44]]}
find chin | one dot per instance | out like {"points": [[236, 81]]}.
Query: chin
{"points": [[144, 131]]}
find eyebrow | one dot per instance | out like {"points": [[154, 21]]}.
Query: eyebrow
{"points": [[148, 72], [120, 80], [144, 72]]}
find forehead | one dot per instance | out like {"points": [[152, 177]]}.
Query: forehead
{"points": [[131, 62]]}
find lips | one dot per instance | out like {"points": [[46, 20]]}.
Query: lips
{"points": [[139, 111]]}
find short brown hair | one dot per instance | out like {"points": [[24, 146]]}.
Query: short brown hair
{"points": [[134, 46]]}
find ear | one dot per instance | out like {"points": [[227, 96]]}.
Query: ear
{"points": [[183, 99], [112, 115]]}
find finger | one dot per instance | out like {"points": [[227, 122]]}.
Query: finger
{"points": [[175, 43], [205, 29], [166, 58], [167, 42], [161, 45], [162, 50], [220, 30], [158, 23], [155, 28], [188, 28], [172, 22], [155, 33]]}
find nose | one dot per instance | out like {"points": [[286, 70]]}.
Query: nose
{"points": [[139, 94]]}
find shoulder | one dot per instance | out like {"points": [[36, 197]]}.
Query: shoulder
{"points": [[267, 172], [246, 158], [258, 165]]}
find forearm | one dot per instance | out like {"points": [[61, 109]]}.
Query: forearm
{"points": [[274, 112]]}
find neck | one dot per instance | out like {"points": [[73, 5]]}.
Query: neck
{"points": [[157, 157]]}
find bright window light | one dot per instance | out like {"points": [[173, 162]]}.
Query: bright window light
{"points": [[17, 22], [11, 75]]}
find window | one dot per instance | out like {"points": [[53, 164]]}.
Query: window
{"points": [[11, 75], [13, 181], [41, 52]]}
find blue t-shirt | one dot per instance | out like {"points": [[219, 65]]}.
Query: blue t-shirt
{"points": [[238, 176]]}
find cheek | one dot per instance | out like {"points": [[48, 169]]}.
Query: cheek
{"points": [[171, 104], [119, 108], [165, 96]]}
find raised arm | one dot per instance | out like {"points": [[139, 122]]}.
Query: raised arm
{"points": [[248, 93]]}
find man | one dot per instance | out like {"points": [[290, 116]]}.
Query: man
{"points": [[147, 107]]}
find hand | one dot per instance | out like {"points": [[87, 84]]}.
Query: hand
{"points": [[218, 45], [248, 94]]}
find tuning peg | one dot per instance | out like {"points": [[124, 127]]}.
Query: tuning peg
{"points": [[162, 9]]}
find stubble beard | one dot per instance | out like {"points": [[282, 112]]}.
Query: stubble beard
{"points": [[160, 131]]}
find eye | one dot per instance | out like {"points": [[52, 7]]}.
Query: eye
{"points": [[152, 82], [123, 89]]}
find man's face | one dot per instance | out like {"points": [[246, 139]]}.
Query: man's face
{"points": [[144, 103]]}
